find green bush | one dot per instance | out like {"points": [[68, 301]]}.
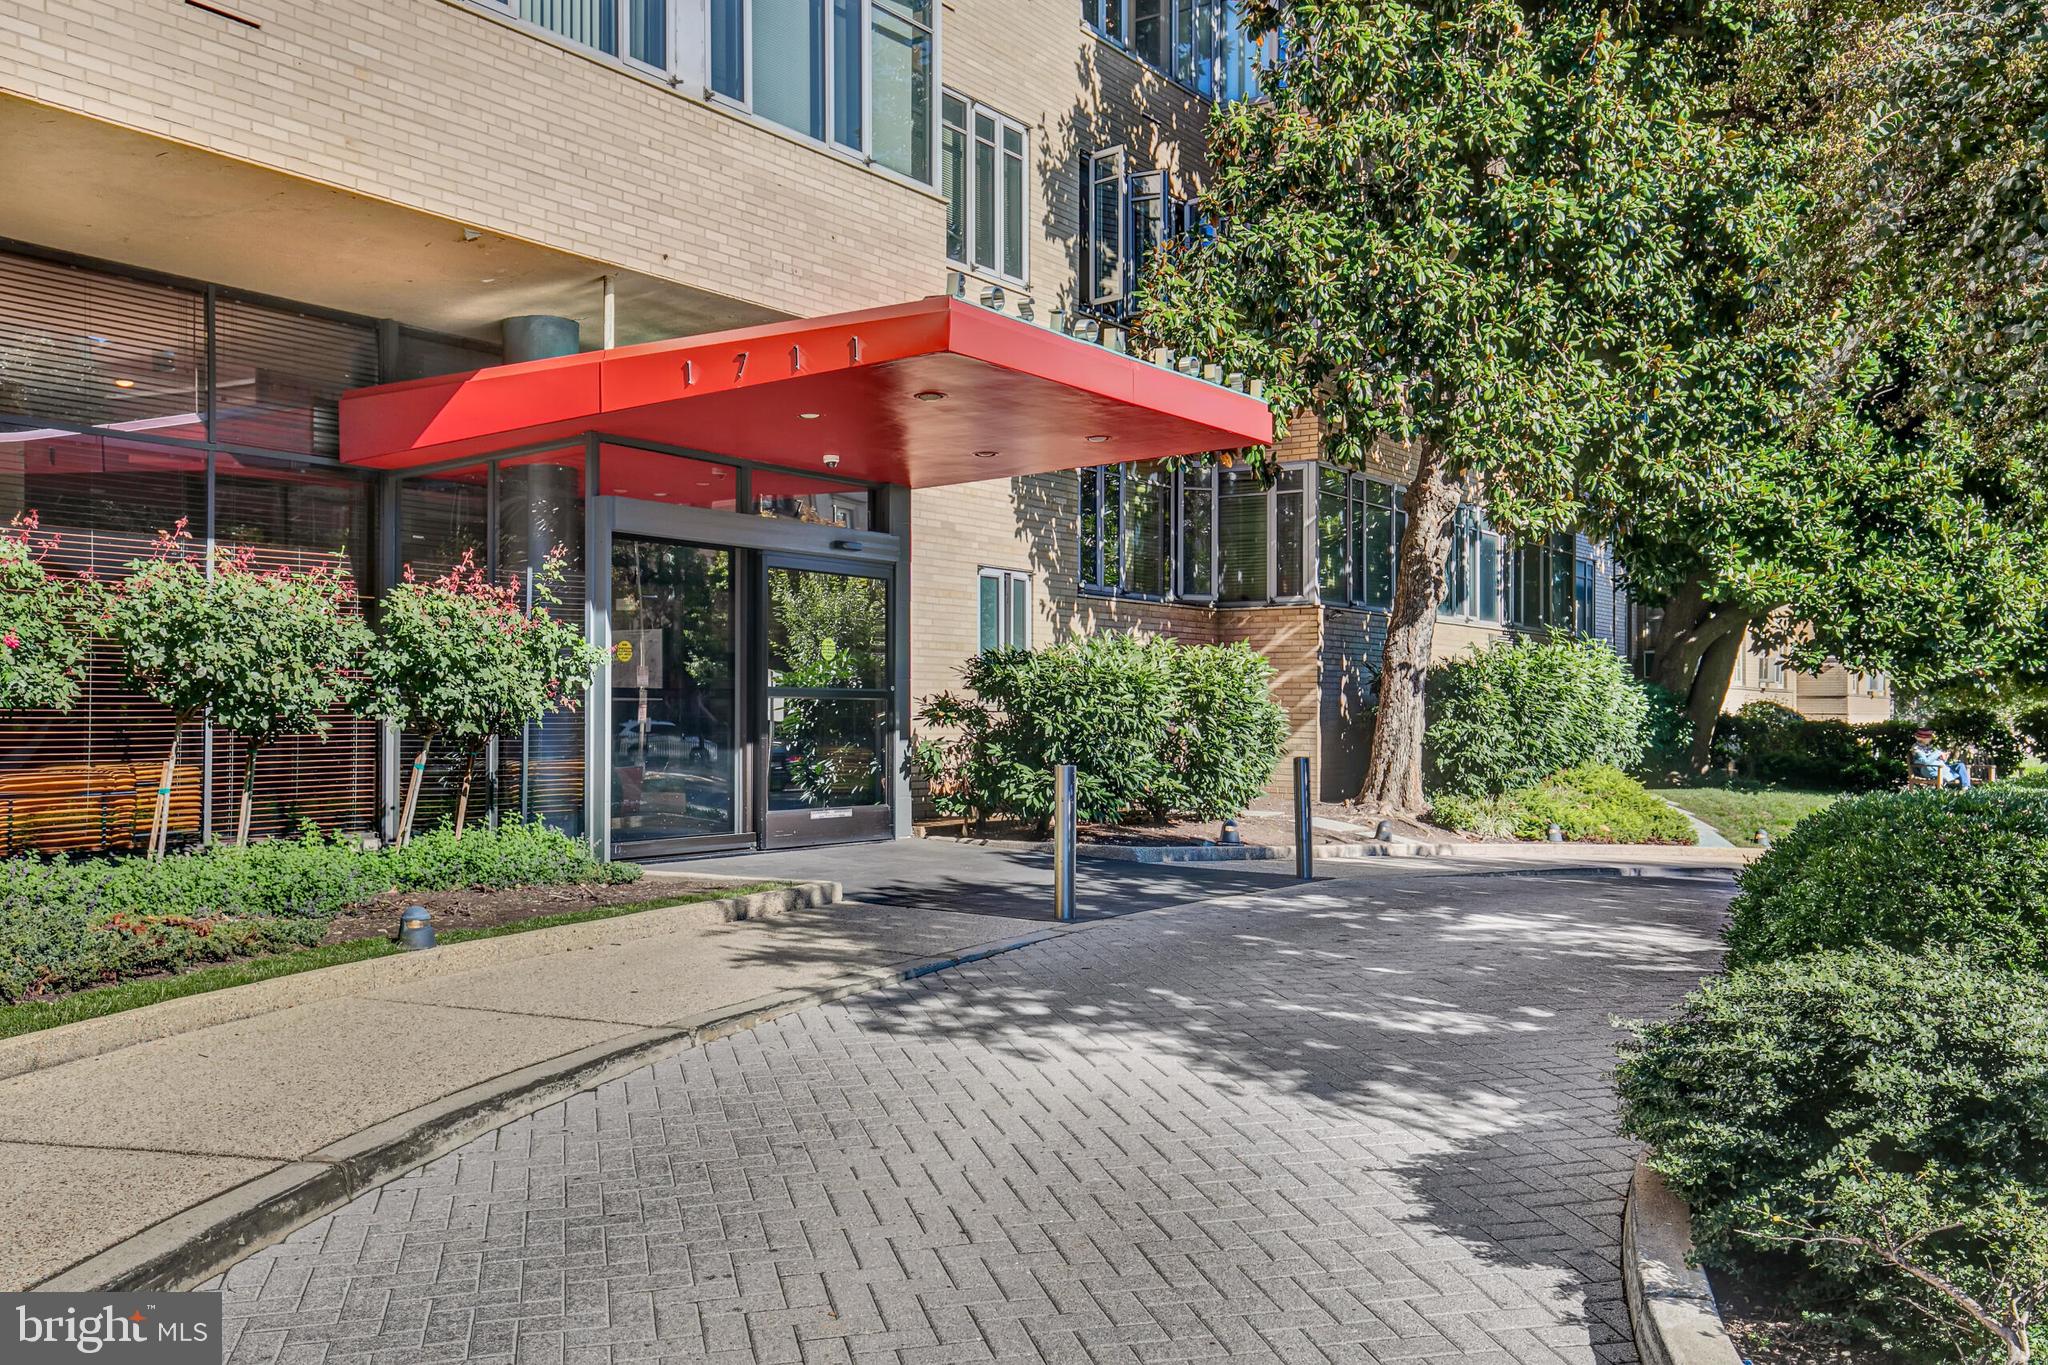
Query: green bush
{"points": [[1967, 870], [1502, 718], [1892, 1104], [1977, 733], [66, 925], [1153, 727], [1589, 804], [1774, 744]]}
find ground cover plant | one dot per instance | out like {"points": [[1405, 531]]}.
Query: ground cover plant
{"points": [[69, 924], [1590, 804], [1881, 1119], [1902, 869]]}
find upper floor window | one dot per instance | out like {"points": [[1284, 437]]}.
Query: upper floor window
{"points": [[1200, 43], [856, 75], [1128, 213], [981, 168], [1005, 609]]}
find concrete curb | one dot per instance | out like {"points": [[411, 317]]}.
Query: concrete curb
{"points": [[201, 1241], [113, 1032], [1670, 1304], [1207, 853]]}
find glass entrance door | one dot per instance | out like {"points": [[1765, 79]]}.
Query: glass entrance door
{"points": [[829, 703], [676, 727]]}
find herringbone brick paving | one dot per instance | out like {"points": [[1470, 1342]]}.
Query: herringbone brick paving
{"points": [[1360, 1121]]}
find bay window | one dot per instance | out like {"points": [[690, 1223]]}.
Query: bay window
{"points": [[981, 156], [1359, 525], [1196, 533], [1241, 536]]}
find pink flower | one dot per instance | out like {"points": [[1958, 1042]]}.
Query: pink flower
{"points": [[11, 640]]}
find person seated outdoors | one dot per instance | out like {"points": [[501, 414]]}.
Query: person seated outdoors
{"points": [[1934, 765]]}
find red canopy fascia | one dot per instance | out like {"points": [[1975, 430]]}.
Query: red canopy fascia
{"points": [[1012, 398]]}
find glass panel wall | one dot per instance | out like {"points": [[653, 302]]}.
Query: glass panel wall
{"points": [[540, 515], [828, 642]]}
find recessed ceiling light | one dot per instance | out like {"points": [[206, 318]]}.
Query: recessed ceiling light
{"points": [[1098, 439], [124, 383], [984, 454], [808, 416], [929, 396]]}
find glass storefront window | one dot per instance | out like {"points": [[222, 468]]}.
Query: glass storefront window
{"points": [[443, 517], [540, 510], [1241, 538]]}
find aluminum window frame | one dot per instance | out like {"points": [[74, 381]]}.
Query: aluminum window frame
{"points": [[1221, 15], [1006, 580], [1117, 156], [1003, 123]]}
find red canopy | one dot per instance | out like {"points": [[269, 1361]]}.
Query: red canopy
{"points": [[923, 394]]}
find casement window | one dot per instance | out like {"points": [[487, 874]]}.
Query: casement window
{"points": [[1200, 43], [1108, 190], [981, 167], [1359, 525], [1543, 585], [1196, 534], [1472, 572], [1583, 610], [1005, 609]]}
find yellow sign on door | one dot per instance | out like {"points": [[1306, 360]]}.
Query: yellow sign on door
{"points": [[624, 651]]}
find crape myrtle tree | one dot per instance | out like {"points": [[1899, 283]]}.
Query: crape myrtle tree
{"points": [[262, 653], [44, 627], [1476, 227], [458, 659]]}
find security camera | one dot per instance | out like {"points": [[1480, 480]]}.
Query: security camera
{"points": [[831, 462]]}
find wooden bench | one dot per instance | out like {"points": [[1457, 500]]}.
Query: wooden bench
{"points": [[85, 807], [1989, 773]]}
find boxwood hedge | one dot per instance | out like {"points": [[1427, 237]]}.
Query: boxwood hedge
{"points": [[1966, 870]]}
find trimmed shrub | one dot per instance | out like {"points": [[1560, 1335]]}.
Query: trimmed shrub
{"points": [[1154, 728], [1967, 870], [1774, 744], [1590, 804], [68, 925], [1848, 1108], [1979, 734], [1505, 717]]}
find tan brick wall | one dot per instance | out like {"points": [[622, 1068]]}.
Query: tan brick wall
{"points": [[1291, 639], [435, 105]]}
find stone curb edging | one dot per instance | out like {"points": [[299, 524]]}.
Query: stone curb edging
{"points": [[1670, 1304], [168, 1018], [201, 1241], [1204, 853]]}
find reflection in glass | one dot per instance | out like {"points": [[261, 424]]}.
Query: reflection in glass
{"points": [[826, 752], [817, 501], [675, 759], [827, 630]]}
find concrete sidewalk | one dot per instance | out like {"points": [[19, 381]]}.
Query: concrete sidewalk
{"points": [[179, 1140]]}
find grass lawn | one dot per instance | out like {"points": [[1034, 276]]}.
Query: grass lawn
{"points": [[35, 1015], [1737, 814]]}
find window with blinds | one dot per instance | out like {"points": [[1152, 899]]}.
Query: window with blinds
{"points": [[1241, 537], [85, 780], [279, 376]]}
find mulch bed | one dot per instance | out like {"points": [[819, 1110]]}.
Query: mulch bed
{"points": [[470, 909], [1768, 1331]]}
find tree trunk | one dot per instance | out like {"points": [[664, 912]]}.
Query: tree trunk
{"points": [[1393, 773], [1696, 647], [412, 791], [248, 798], [160, 818], [462, 792]]}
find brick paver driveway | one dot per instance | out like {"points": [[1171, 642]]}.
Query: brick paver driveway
{"points": [[1363, 1120]]}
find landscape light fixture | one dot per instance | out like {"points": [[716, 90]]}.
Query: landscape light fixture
{"points": [[416, 928], [1385, 832], [1554, 834], [1230, 837]]}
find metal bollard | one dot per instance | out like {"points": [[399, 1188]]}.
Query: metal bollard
{"points": [[1063, 793], [1304, 825]]}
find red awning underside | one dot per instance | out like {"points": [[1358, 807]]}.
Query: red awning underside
{"points": [[1018, 399]]}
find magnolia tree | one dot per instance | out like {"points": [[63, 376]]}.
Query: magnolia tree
{"points": [[457, 659], [261, 653], [43, 635], [1481, 228]]}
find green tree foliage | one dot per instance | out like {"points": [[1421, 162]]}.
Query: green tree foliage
{"points": [[1512, 715], [1904, 869], [300, 640], [1153, 728], [1766, 742], [1494, 230], [1875, 1114], [43, 623], [459, 659]]}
